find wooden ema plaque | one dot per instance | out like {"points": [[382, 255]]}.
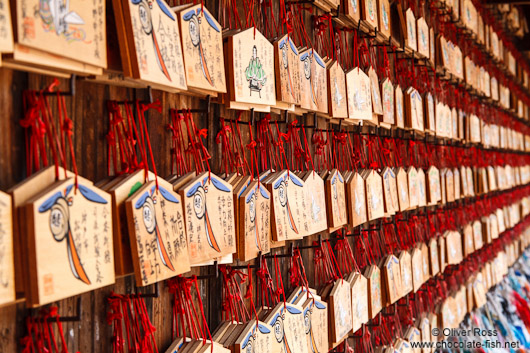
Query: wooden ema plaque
{"points": [[7, 270], [154, 45], [287, 69], [405, 264], [425, 262], [447, 313], [6, 29], [157, 232], [122, 243], [494, 226], [413, 335], [390, 191], [478, 240], [316, 325], [453, 242], [356, 200], [254, 218], [287, 192], [392, 278], [430, 120], [257, 338], [374, 196], [340, 312], [375, 298], [433, 256], [313, 75], [69, 241], [336, 200], [449, 186], [468, 240], [416, 258], [422, 188], [456, 182], [425, 329], [251, 68], [384, 27], [479, 291], [410, 36], [387, 92], [369, 12], [441, 251], [414, 109], [359, 301], [209, 217], [202, 48], [423, 37], [315, 199], [287, 322], [337, 100], [400, 107], [377, 104], [412, 178], [403, 189], [75, 30], [352, 11], [359, 95]]}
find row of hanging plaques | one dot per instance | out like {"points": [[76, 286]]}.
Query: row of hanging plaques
{"points": [[318, 321], [75, 239]]}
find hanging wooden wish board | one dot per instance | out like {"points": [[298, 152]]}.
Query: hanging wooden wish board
{"points": [[374, 196], [352, 11], [478, 241], [154, 45], [209, 217], [414, 109], [356, 200], [340, 312], [423, 37], [7, 270], [254, 218], [315, 199], [387, 91], [417, 270], [202, 48], [392, 278], [430, 121], [337, 100], [411, 38], [157, 232], [287, 322], [412, 178], [403, 189], [412, 334], [251, 68], [441, 252], [369, 12], [400, 107], [390, 191], [375, 295], [287, 192], [377, 104], [359, 93], [316, 325], [422, 188], [6, 29], [313, 77], [453, 241], [258, 337], [287, 70], [336, 200], [69, 241], [359, 301], [122, 243], [405, 264], [75, 30], [433, 256], [425, 253], [384, 27]]}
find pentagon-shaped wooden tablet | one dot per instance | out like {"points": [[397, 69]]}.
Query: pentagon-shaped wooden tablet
{"points": [[336, 200], [315, 200], [340, 312], [287, 322], [258, 337], [209, 217], [157, 231], [359, 94], [69, 241], [337, 96], [287, 69], [202, 49], [359, 301], [375, 294], [7, 270], [405, 263]]}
